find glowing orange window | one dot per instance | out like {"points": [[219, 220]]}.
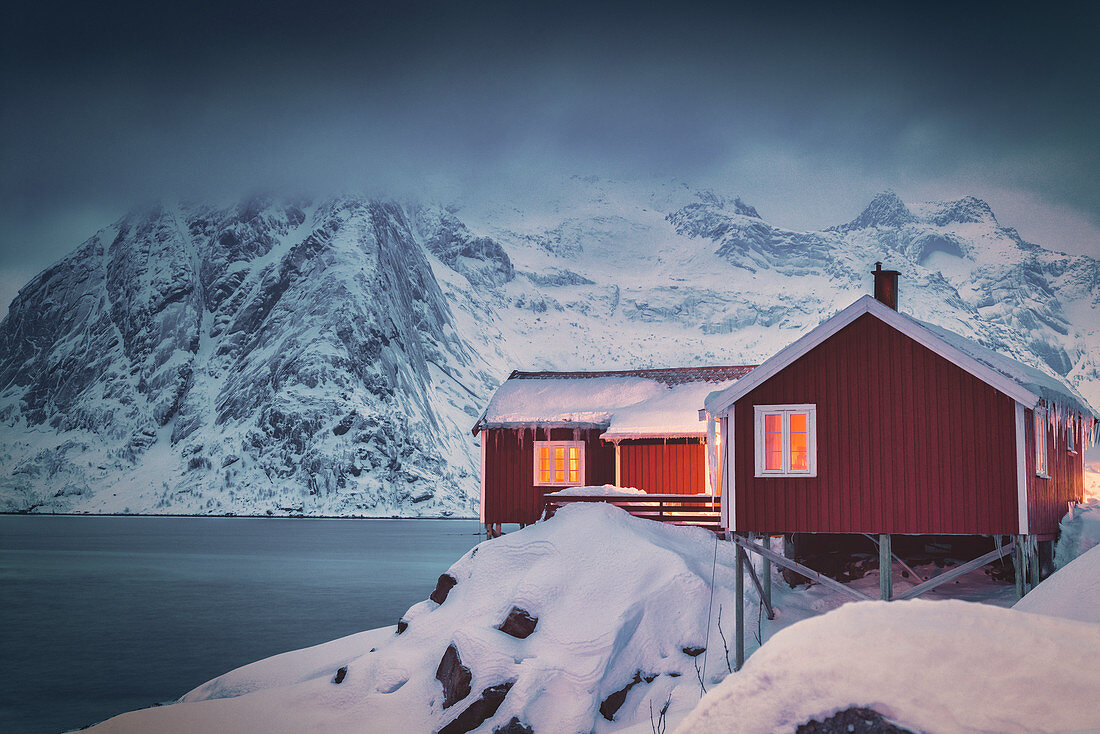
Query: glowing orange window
{"points": [[559, 463], [786, 437]]}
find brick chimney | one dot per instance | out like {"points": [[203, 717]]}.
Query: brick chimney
{"points": [[886, 286]]}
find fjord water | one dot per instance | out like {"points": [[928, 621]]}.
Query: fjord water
{"points": [[101, 615]]}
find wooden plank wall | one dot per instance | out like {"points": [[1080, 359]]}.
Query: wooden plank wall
{"points": [[906, 443], [675, 467], [510, 491], [1047, 499]]}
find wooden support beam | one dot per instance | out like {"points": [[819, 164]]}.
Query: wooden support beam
{"points": [[956, 572], [885, 568], [739, 604], [759, 590], [897, 558], [766, 593], [799, 568]]}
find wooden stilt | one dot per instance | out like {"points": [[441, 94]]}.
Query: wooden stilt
{"points": [[759, 589], [1032, 562], [885, 568], [767, 573], [739, 612], [1018, 565]]}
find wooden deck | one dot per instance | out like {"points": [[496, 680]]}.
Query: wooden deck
{"points": [[700, 510]]}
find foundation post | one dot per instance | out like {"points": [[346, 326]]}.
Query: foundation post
{"points": [[766, 569], [885, 568], [1019, 565], [739, 607], [1033, 567]]}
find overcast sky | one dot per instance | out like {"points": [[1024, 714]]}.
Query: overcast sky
{"points": [[806, 112]]}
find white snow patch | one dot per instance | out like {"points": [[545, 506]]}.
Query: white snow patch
{"points": [[1078, 531], [947, 666], [629, 407], [1072, 592], [606, 490]]}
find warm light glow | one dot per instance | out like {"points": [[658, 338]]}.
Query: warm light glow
{"points": [[785, 440], [559, 463], [545, 474], [773, 442], [800, 442]]}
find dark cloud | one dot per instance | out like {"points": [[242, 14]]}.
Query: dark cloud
{"points": [[805, 109]]}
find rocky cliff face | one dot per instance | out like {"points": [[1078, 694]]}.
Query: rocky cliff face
{"points": [[329, 357]]}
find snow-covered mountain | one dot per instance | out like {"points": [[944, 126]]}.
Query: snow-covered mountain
{"points": [[329, 357]]}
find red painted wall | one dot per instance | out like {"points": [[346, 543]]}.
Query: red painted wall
{"points": [[906, 443], [663, 468], [509, 470], [1047, 499]]}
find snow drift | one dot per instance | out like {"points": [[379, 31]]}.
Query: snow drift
{"points": [[1073, 592], [944, 666], [578, 624]]}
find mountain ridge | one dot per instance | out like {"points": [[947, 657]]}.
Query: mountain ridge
{"points": [[289, 356]]}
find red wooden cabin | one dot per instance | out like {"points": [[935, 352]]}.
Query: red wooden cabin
{"points": [[545, 431], [878, 423]]}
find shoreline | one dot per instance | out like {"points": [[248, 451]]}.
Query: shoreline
{"points": [[249, 517]]}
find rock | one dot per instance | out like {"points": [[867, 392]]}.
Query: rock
{"points": [[614, 702], [519, 623], [402, 625], [853, 720], [477, 712], [694, 652], [442, 588], [454, 676], [340, 675], [515, 726]]}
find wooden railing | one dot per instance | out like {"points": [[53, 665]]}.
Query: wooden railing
{"points": [[700, 510]]}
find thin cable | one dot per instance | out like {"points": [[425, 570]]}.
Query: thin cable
{"points": [[710, 611]]}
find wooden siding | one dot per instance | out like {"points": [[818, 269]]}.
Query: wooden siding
{"points": [[1047, 499], [906, 443], [663, 468], [509, 470]]}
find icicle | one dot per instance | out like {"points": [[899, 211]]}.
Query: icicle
{"points": [[576, 434]]}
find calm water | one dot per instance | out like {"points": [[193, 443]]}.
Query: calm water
{"points": [[100, 615]]}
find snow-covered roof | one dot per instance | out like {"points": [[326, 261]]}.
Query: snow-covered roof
{"points": [[1020, 382], [1052, 390], [626, 403]]}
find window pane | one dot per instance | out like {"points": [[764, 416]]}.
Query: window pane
{"points": [[773, 423], [773, 460], [799, 442], [799, 461], [773, 442], [798, 422]]}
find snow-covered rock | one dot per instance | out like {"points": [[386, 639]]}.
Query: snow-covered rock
{"points": [[620, 611], [329, 357], [944, 666]]}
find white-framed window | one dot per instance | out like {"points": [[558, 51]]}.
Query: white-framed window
{"points": [[1071, 435], [1042, 467], [786, 440], [559, 463]]}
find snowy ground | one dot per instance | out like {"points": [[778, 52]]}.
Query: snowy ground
{"points": [[624, 608]]}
